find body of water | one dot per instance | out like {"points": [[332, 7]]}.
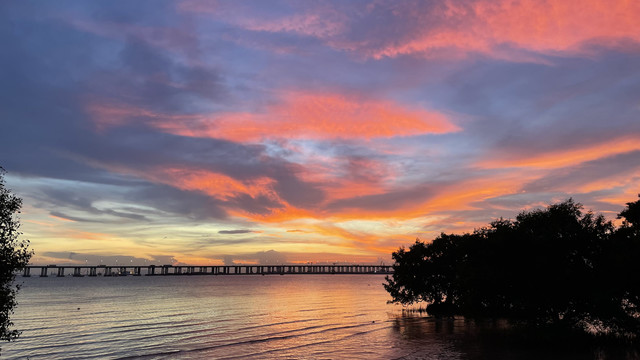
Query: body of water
{"points": [[240, 317]]}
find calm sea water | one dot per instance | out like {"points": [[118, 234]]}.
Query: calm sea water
{"points": [[239, 317]]}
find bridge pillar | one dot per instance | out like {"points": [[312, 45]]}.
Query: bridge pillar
{"points": [[77, 272], [43, 271], [26, 272], [60, 272], [92, 271]]}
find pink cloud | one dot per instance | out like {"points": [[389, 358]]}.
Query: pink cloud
{"points": [[497, 28], [319, 117], [550, 27], [298, 115]]}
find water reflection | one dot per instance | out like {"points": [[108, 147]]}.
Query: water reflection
{"points": [[249, 317], [459, 338]]}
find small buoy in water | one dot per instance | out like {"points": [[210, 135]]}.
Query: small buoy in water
{"points": [[373, 322], [78, 308]]}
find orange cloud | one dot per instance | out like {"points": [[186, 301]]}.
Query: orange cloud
{"points": [[562, 158], [484, 26], [361, 239], [535, 25], [211, 183], [343, 178], [304, 116], [459, 196], [61, 218], [627, 189], [318, 116], [563, 25]]}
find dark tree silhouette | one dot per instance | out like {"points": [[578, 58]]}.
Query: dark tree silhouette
{"points": [[631, 216], [557, 267], [14, 256], [623, 265]]}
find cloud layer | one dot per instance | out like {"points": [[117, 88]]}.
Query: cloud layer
{"points": [[204, 132]]}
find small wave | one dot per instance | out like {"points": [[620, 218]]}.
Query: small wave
{"points": [[289, 348], [250, 341]]}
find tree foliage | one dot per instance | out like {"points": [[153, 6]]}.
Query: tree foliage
{"points": [[558, 266], [14, 256]]}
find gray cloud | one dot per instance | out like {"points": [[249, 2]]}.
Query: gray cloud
{"points": [[71, 258], [233, 232], [269, 257], [192, 204], [531, 108], [260, 204], [228, 260]]}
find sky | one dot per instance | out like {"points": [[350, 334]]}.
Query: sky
{"points": [[219, 132]]}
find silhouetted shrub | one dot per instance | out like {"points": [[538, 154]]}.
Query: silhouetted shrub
{"points": [[14, 255]]}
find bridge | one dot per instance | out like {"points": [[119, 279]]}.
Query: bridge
{"points": [[177, 270]]}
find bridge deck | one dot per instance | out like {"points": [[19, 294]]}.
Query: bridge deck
{"points": [[166, 270]]}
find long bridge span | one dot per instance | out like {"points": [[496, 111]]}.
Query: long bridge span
{"points": [[177, 270]]}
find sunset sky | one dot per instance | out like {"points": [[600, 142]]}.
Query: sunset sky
{"points": [[209, 132]]}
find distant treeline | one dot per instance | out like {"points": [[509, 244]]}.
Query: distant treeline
{"points": [[558, 267]]}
